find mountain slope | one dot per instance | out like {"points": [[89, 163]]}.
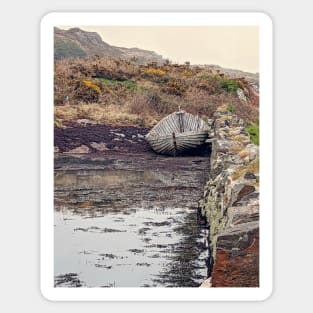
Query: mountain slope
{"points": [[75, 43]]}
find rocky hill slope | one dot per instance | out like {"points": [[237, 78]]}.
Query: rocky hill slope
{"points": [[75, 43]]}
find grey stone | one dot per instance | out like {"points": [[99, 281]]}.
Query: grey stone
{"points": [[249, 175], [241, 95], [253, 151]]}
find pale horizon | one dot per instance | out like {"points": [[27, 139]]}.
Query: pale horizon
{"points": [[234, 47]]}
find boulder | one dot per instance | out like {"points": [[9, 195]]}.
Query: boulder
{"points": [[81, 149], [241, 95], [99, 146]]}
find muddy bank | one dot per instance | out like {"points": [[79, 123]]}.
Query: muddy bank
{"points": [[106, 139], [101, 138]]}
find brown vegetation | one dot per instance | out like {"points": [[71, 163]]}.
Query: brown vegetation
{"points": [[107, 90]]}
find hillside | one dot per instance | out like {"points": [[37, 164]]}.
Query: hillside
{"points": [[77, 43], [114, 91]]}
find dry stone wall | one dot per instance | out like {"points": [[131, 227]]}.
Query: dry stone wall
{"points": [[231, 203]]}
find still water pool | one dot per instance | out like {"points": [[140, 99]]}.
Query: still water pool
{"points": [[129, 225]]}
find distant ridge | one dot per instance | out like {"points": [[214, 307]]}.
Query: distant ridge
{"points": [[77, 43]]}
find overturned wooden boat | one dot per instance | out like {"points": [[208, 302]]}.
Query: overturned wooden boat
{"points": [[178, 133]]}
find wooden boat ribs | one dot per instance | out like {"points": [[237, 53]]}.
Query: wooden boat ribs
{"points": [[177, 133]]}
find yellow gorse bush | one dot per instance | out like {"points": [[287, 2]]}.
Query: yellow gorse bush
{"points": [[91, 85], [187, 73], [154, 72]]}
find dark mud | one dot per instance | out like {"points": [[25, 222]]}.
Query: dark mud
{"points": [[116, 138], [112, 140]]}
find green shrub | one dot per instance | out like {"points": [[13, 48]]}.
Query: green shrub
{"points": [[253, 131], [229, 85], [231, 108]]}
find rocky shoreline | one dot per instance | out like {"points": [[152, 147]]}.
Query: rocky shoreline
{"points": [[231, 203]]}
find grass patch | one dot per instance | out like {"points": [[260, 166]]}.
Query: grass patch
{"points": [[58, 123], [253, 131], [130, 84], [125, 83], [110, 114]]}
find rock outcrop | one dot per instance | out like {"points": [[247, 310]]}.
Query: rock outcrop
{"points": [[231, 203]]}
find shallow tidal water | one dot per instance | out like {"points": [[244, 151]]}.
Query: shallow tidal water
{"points": [[129, 224]]}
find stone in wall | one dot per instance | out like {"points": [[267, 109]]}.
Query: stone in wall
{"points": [[237, 257]]}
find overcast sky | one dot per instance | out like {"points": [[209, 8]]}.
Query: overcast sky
{"points": [[234, 47]]}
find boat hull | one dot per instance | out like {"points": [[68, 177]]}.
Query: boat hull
{"points": [[177, 133], [180, 144]]}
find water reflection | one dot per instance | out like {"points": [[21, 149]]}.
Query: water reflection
{"points": [[129, 228]]}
